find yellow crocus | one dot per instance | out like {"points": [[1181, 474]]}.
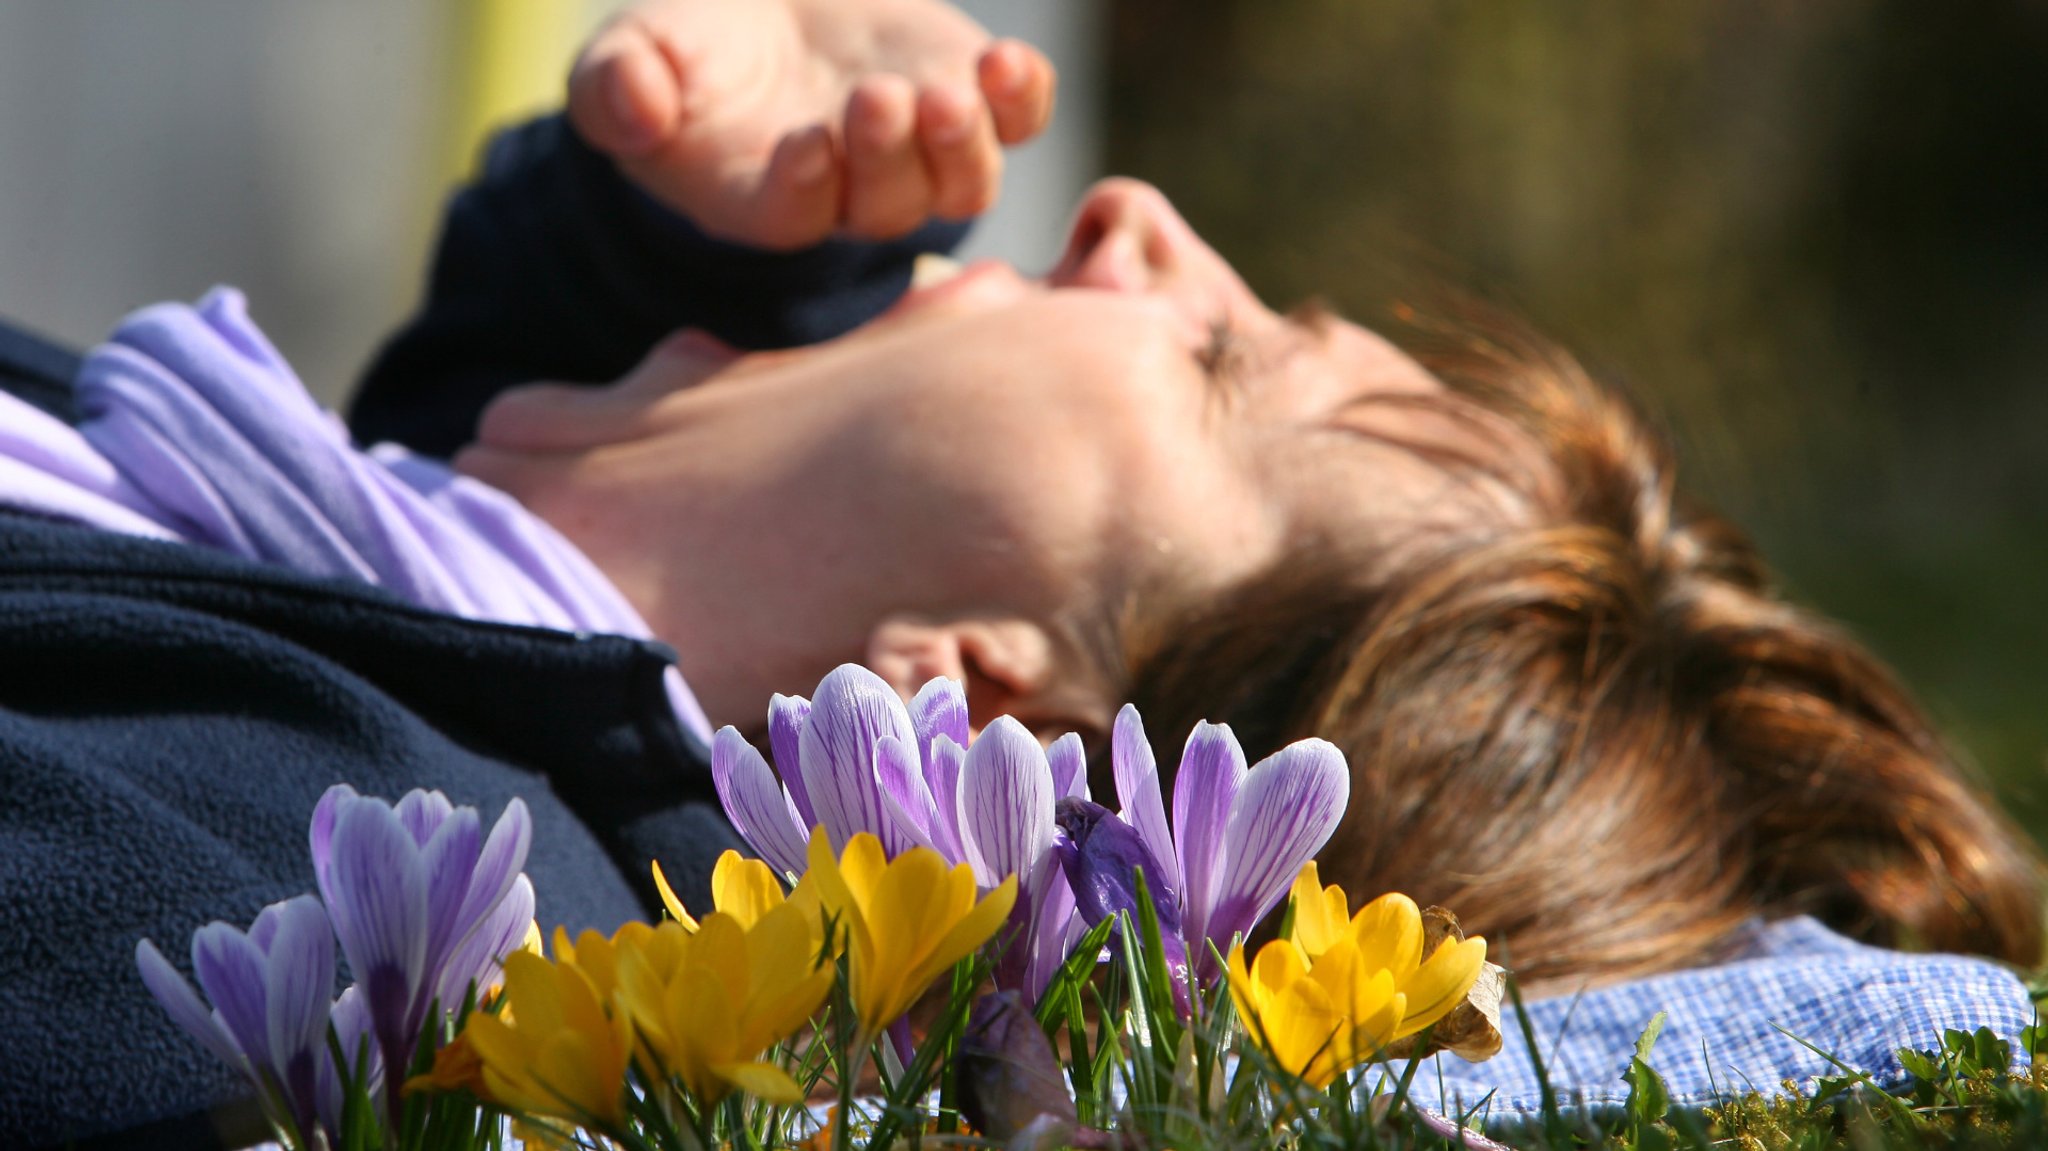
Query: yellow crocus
{"points": [[707, 1004], [1341, 987], [743, 888], [906, 921], [554, 1050]]}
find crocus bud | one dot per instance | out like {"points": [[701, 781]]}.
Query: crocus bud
{"points": [[1102, 855], [1010, 1081]]}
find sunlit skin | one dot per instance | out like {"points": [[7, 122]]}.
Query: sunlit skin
{"points": [[935, 492]]}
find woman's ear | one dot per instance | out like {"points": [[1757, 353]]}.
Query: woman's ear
{"points": [[1007, 666]]}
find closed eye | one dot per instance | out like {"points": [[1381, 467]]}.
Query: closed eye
{"points": [[1221, 356]]}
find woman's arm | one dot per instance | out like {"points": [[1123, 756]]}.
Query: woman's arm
{"points": [[822, 141], [551, 266]]}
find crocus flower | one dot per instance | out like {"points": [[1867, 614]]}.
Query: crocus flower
{"points": [[1238, 835], [555, 1050], [907, 920], [270, 991], [708, 1003], [854, 759], [1343, 988], [740, 887], [410, 888]]}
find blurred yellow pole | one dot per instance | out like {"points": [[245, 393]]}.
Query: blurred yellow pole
{"points": [[512, 58]]}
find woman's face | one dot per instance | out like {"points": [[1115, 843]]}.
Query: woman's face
{"points": [[993, 444]]}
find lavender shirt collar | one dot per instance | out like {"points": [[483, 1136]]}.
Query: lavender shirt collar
{"points": [[195, 429]]}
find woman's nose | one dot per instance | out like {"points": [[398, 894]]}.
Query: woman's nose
{"points": [[1128, 238]]}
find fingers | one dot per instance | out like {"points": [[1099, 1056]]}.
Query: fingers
{"points": [[797, 204], [888, 192], [1018, 83], [962, 159], [625, 92]]}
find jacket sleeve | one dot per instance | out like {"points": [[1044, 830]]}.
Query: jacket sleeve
{"points": [[551, 266]]}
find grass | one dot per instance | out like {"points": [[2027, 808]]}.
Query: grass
{"points": [[1971, 1090]]}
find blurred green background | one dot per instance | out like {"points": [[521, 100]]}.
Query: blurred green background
{"points": [[1811, 238]]}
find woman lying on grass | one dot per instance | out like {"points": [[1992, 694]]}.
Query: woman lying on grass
{"points": [[1574, 710]]}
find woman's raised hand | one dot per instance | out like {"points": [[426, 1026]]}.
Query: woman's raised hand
{"points": [[778, 123]]}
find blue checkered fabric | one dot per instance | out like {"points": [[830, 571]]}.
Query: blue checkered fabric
{"points": [[1721, 1035]]}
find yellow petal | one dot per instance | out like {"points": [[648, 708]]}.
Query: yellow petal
{"points": [[1314, 928], [835, 897], [1243, 994], [1371, 1034], [1439, 985], [594, 956], [975, 923], [978, 921], [530, 987], [906, 914], [862, 865], [669, 900], [787, 983], [1300, 1025], [743, 888], [1279, 964], [1388, 933], [704, 1033], [762, 1081], [641, 994]]}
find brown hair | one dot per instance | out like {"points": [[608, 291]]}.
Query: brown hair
{"points": [[1598, 736]]}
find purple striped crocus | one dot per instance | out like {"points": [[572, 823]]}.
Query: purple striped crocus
{"points": [[853, 758], [423, 903], [1238, 837], [269, 988]]}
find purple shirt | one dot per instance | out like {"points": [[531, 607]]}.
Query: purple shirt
{"points": [[195, 429]]}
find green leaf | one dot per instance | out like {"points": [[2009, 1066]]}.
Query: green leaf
{"points": [[1072, 975], [1990, 1052], [1155, 979], [1648, 1038], [1921, 1065], [1648, 1097]]}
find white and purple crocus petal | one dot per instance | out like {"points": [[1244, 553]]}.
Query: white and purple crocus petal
{"points": [[787, 715], [940, 708], [756, 802], [1068, 759], [1138, 792], [1212, 769], [1005, 804], [447, 861], [853, 708], [478, 961], [375, 886], [498, 866], [905, 796], [269, 988], [186, 1009], [407, 886], [938, 713], [1283, 813], [944, 760], [1049, 935]]}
